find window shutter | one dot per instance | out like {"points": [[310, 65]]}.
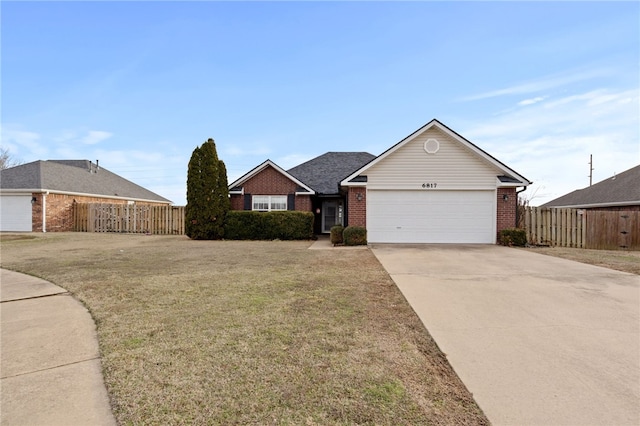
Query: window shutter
{"points": [[291, 201], [247, 202]]}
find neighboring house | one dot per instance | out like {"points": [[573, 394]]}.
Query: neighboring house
{"points": [[619, 192], [39, 196], [433, 186]]}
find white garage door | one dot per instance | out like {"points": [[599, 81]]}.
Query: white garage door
{"points": [[15, 213], [431, 216]]}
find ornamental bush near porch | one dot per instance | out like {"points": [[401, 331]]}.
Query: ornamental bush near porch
{"points": [[354, 236], [336, 234]]}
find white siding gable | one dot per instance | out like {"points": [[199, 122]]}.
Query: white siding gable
{"points": [[453, 166]]}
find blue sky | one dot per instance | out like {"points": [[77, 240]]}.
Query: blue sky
{"points": [[138, 85]]}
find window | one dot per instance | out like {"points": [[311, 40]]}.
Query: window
{"points": [[267, 203]]}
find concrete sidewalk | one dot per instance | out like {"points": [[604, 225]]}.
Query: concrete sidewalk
{"points": [[538, 340], [50, 371]]}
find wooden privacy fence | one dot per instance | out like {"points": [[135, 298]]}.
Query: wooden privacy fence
{"points": [[582, 228], [128, 218]]}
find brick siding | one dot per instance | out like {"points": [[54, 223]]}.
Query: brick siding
{"points": [[506, 211], [357, 210], [303, 203], [271, 182], [59, 210]]}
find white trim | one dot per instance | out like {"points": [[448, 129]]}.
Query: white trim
{"points": [[44, 211], [79, 194], [18, 191], [500, 184], [269, 203], [435, 123], [279, 169]]}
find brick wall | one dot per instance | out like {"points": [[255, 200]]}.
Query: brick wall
{"points": [[303, 203], [59, 210], [271, 182], [237, 202], [357, 210], [506, 211]]}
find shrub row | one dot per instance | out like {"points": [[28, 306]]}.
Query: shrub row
{"points": [[349, 236], [284, 225], [513, 237]]}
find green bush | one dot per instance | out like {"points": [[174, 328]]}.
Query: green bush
{"points": [[354, 236], [336, 234], [284, 225], [513, 237]]}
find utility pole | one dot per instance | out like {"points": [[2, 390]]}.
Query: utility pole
{"points": [[590, 169]]}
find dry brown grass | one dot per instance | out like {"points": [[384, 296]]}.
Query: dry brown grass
{"points": [[620, 260], [229, 332]]}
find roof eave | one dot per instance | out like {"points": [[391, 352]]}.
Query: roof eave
{"points": [[251, 173], [501, 166], [79, 194], [595, 205]]}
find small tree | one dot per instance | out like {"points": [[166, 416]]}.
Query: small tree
{"points": [[207, 194], [7, 160]]}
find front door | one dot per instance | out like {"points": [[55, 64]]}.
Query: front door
{"points": [[331, 215]]}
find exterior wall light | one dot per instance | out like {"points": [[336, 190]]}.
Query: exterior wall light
{"points": [[359, 196], [505, 197], [33, 200]]}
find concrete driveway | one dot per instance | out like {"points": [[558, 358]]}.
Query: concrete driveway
{"points": [[538, 340]]}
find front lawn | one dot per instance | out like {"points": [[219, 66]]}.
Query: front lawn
{"points": [[236, 332], [620, 260]]}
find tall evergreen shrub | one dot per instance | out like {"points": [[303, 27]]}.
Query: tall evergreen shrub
{"points": [[207, 194]]}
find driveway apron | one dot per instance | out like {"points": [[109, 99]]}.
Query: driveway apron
{"points": [[538, 340]]}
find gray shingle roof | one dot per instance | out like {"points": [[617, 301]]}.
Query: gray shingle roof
{"points": [[324, 173], [621, 189], [73, 176]]}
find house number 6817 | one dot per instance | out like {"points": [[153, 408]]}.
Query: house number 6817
{"points": [[429, 185]]}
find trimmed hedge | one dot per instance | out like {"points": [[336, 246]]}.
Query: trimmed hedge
{"points": [[513, 237], [336, 234], [354, 236], [282, 225]]}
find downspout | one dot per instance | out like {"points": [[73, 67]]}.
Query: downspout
{"points": [[44, 211], [517, 204]]}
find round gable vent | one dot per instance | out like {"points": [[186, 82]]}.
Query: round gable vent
{"points": [[431, 146]]}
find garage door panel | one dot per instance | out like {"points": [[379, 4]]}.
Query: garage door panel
{"points": [[430, 217], [15, 213]]}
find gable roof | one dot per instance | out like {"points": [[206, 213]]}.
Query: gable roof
{"points": [[78, 177], [619, 190], [236, 186], [325, 172], [509, 178]]}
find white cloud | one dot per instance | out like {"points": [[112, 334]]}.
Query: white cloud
{"points": [[23, 143], [244, 150], [543, 84], [95, 136], [550, 141], [532, 101], [292, 160]]}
